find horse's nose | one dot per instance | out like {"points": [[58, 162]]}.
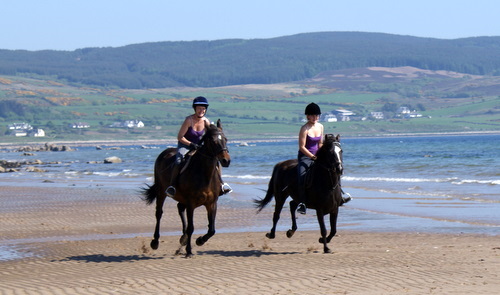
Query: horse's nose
{"points": [[225, 162]]}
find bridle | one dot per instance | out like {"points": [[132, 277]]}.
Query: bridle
{"points": [[337, 167], [210, 145]]}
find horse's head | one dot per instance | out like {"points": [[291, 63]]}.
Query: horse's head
{"points": [[331, 152], [215, 143]]}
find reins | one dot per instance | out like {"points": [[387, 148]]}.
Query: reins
{"points": [[331, 170], [209, 149]]}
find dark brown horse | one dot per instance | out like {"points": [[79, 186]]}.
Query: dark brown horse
{"points": [[199, 184], [322, 189]]}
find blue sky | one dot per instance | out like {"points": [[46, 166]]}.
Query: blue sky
{"points": [[71, 24]]}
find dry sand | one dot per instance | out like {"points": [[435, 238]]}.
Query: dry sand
{"points": [[96, 241]]}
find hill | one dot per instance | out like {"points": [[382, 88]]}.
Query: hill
{"points": [[255, 61], [448, 102]]}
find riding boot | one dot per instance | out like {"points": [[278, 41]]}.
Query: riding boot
{"points": [[173, 181], [346, 197], [302, 197], [225, 188]]}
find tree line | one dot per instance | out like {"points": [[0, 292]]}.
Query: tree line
{"points": [[260, 61]]}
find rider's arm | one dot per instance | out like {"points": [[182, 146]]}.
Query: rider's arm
{"points": [[183, 130], [302, 142], [322, 137]]}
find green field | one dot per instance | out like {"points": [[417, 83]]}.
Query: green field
{"points": [[260, 111]]}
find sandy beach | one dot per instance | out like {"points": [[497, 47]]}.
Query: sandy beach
{"points": [[96, 241]]}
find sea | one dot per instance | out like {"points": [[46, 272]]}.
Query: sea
{"points": [[429, 184]]}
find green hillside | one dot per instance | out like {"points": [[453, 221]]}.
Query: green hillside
{"points": [[256, 61], [447, 101]]}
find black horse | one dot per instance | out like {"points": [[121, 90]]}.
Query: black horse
{"points": [[199, 184], [322, 189]]}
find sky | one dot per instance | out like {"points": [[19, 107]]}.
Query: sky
{"points": [[73, 24]]}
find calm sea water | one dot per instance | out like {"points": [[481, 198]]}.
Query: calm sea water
{"points": [[444, 184]]}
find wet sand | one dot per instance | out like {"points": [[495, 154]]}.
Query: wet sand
{"points": [[95, 240]]}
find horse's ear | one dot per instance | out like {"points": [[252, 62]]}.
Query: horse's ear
{"points": [[338, 137], [219, 124]]}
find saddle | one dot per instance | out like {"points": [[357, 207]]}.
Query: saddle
{"points": [[186, 160]]}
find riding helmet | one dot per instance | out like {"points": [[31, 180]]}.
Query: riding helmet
{"points": [[313, 109], [200, 101]]}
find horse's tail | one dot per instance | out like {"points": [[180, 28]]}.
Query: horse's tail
{"points": [[149, 193], [260, 204]]}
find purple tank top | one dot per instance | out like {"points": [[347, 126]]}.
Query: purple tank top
{"points": [[194, 136], [312, 144]]}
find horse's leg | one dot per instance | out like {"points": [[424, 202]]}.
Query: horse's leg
{"points": [[181, 209], [189, 230], [211, 213], [280, 201], [293, 208], [322, 227], [333, 224], [160, 199]]}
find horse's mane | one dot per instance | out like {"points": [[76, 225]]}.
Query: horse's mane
{"points": [[324, 150]]}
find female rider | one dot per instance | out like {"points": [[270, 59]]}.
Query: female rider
{"points": [[189, 138]]}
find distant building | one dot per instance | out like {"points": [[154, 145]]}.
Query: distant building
{"points": [[330, 118], [19, 133], [37, 132], [403, 110], [20, 126], [128, 124], [344, 115], [413, 114], [79, 125], [377, 115], [134, 124]]}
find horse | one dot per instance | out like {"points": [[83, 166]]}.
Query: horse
{"points": [[322, 189], [199, 184]]}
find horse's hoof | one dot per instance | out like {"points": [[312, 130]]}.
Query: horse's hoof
{"points": [[189, 255], [327, 250], [183, 240], [199, 241], [154, 244], [290, 233], [270, 236]]}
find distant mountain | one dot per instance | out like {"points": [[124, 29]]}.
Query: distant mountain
{"points": [[254, 61]]}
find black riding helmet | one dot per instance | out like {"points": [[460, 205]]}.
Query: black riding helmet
{"points": [[200, 101], [312, 109]]}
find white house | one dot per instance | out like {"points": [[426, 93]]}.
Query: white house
{"points": [[20, 126], [377, 115], [134, 124], [413, 114], [79, 125], [128, 124], [330, 118], [344, 115], [403, 110], [37, 132]]}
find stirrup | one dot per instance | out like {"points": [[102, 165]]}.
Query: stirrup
{"points": [[302, 208], [170, 191], [226, 189], [346, 198]]}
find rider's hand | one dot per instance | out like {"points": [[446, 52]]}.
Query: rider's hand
{"points": [[194, 146]]}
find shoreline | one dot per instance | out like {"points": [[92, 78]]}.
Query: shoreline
{"points": [[171, 141]]}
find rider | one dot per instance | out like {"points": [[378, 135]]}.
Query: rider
{"points": [[310, 140], [189, 138]]}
